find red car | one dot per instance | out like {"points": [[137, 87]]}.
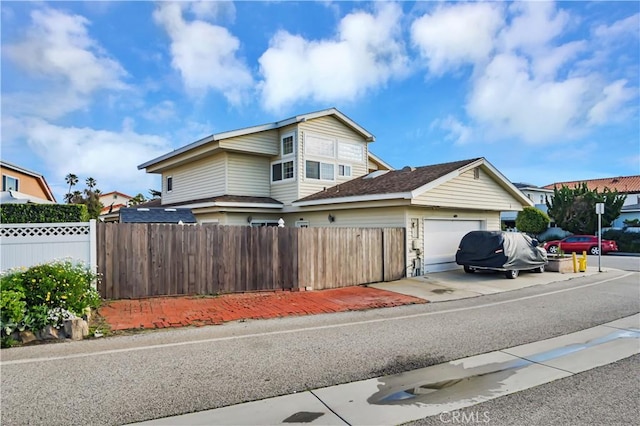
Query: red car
{"points": [[580, 243]]}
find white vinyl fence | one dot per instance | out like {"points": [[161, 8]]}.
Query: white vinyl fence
{"points": [[28, 244]]}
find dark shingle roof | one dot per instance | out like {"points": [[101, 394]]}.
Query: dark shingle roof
{"points": [[156, 215], [391, 182]]}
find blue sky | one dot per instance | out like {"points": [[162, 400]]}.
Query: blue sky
{"points": [[545, 91]]}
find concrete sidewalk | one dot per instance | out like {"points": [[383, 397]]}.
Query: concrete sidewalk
{"points": [[430, 391]]}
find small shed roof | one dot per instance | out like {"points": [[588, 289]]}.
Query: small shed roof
{"points": [[156, 215]]}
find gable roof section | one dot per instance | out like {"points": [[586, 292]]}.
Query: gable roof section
{"points": [[406, 183], [622, 184], [39, 178], [212, 139], [156, 215]]}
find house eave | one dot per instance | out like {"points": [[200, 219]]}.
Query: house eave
{"points": [[353, 199], [230, 204]]}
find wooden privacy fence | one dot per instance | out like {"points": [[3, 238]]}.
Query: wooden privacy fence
{"points": [[142, 260]]}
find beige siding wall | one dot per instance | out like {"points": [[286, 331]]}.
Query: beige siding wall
{"points": [[200, 179], [329, 128], [266, 143], [353, 218], [248, 175], [467, 192]]}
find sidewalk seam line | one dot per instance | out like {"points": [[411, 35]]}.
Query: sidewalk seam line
{"points": [[539, 363], [329, 408]]}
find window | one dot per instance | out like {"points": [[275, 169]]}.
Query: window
{"points": [[169, 183], [282, 170], [351, 152], [287, 145], [318, 170], [261, 223], [9, 183], [319, 147], [344, 170]]}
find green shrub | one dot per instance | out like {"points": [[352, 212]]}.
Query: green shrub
{"points": [[43, 213], [628, 242], [45, 295]]}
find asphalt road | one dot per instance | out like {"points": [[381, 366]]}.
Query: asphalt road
{"points": [[134, 378]]}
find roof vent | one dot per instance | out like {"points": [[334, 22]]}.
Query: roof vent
{"points": [[408, 169], [170, 210], [142, 209], [375, 174]]}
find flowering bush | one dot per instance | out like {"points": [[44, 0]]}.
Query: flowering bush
{"points": [[45, 295]]}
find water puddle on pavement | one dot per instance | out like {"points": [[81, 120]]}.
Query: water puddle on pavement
{"points": [[480, 381]]}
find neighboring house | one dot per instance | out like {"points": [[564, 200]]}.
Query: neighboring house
{"points": [[20, 185], [626, 185], [112, 202], [156, 215], [316, 170], [536, 194]]}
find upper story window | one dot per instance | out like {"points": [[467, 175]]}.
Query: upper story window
{"points": [[9, 183], [169, 183], [288, 144], [350, 152], [318, 170], [319, 147], [281, 171]]}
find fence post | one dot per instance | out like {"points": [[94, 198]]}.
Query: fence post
{"points": [[93, 251]]}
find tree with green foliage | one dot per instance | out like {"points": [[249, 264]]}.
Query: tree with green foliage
{"points": [[155, 193], [71, 179], [574, 210], [532, 221], [89, 197], [138, 199]]}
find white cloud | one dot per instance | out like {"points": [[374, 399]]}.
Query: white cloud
{"points": [[456, 35], [621, 28], [203, 53], [533, 26], [57, 46], [511, 102], [458, 132], [612, 99], [525, 83], [58, 49], [109, 157], [162, 112], [366, 53]]}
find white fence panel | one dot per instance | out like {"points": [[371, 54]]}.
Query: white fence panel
{"points": [[28, 244]]}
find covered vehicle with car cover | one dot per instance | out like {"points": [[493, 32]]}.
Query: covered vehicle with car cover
{"points": [[509, 252]]}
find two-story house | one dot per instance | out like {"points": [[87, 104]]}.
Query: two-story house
{"points": [[537, 195], [20, 185], [316, 169]]}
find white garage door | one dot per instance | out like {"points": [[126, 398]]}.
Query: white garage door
{"points": [[441, 239]]}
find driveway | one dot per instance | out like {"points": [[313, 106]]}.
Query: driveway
{"points": [[456, 284]]}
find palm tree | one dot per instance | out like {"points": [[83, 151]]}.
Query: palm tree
{"points": [[71, 179], [91, 183]]}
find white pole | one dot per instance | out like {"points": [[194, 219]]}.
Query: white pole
{"points": [[599, 242]]}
